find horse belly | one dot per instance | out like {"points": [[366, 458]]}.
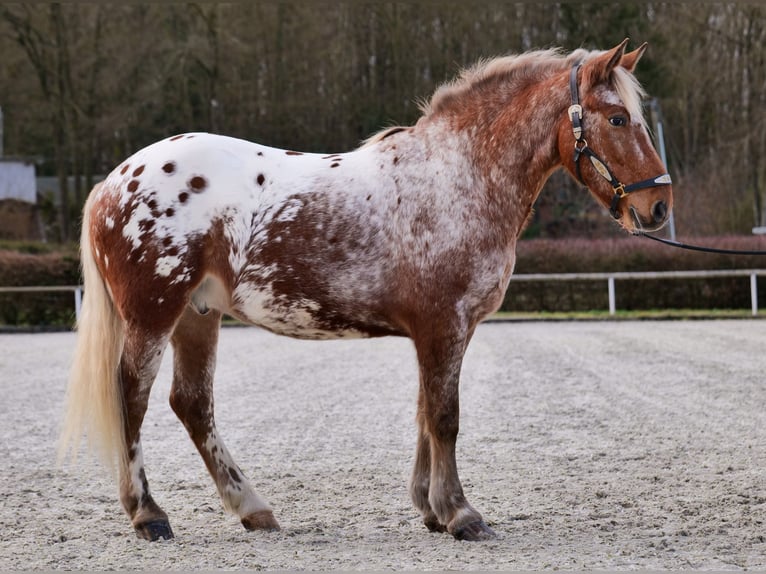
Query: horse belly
{"points": [[298, 317]]}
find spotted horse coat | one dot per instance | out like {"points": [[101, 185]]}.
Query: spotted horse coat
{"points": [[412, 234]]}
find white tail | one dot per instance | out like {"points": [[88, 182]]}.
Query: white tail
{"points": [[94, 396]]}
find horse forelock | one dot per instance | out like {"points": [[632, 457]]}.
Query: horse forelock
{"points": [[630, 92]]}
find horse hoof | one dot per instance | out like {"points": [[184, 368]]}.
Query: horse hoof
{"points": [[433, 524], [154, 530], [261, 520], [474, 531]]}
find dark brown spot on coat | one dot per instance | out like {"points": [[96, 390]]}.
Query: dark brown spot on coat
{"points": [[391, 131], [178, 137], [369, 197], [260, 153], [169, 167], [138, 171], [133, 185], [294, 152], [396, 159], [260, 179], [234, 474], [183, 196], [146, 224], [197, 183], [167, 241], [124, 169], [172, 251], [170, 212], [336, 164]]}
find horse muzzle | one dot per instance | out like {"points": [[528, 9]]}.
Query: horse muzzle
{"points": [[658, 216]]}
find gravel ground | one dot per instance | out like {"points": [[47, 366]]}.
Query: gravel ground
{"points": [[599, 445]]}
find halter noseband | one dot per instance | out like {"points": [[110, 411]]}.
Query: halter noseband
{"points": [[581, 148]]}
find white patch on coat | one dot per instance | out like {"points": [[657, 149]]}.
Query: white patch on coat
{"points": [[238, 497], [132, 232], [166, 265]]}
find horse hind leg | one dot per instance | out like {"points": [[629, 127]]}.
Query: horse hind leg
{"points": [[141, 358], [194, 344]]}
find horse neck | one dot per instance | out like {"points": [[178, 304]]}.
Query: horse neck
{"points": [[513, 144]]}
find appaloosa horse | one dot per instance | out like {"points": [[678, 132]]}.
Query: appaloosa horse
{"points": [[412, 234]]}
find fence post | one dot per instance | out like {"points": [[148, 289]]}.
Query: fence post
{"points": [[612, 304], [754, 293], [77, 303]]}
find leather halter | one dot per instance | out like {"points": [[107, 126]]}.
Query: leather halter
{"points": [[581, 148]]}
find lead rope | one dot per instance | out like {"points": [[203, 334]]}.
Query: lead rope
{"points": [[699, 247]]}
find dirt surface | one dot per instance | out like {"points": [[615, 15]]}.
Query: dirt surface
{"points": [[609, 445]]}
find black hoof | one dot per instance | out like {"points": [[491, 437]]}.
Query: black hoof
{"points": [[154, 530], [434, 525], [474, 531]]}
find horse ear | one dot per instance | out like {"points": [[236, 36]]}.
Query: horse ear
{"points": [[629, 60], [600, 68]]}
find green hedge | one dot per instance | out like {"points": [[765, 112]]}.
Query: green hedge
{"points": [[28, 269], [633, 254], [533, 256]]}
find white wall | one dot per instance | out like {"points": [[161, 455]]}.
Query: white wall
{"points": [[17, 181]]}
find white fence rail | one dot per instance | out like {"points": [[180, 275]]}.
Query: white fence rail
{"points": [[75, 289], [610, 279]]}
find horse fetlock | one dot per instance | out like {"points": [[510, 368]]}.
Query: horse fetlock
{"points": [[419, 494]]}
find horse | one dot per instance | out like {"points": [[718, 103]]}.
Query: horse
{"points": [[412, 234]]}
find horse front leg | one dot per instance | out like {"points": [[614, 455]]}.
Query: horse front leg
{"points": [[435, 486], [421, 474]]}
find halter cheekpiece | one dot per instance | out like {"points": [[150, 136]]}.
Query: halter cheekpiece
{"points": [[575, 113]]}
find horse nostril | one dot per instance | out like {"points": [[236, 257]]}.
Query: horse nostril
{"points": [[659, 211]]}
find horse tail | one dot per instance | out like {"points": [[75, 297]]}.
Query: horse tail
{"points": [[94, 395]]}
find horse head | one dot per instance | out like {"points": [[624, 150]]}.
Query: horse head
{"points": [[605, 144]]}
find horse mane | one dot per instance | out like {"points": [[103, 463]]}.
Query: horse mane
{"points": [[519, 69]]}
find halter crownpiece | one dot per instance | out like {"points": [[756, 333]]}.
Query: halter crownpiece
{"points": [[575, 113]]}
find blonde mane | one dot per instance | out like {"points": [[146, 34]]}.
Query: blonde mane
{"points": [[519, 69]]}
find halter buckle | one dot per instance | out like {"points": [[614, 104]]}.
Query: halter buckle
{"points": [[619, 190], [575, 116], [575, 109]]}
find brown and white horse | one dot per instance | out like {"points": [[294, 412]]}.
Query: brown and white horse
{"points": [[413, 234]]}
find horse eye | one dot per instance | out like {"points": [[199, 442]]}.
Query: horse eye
{"points": [[618, 121]]}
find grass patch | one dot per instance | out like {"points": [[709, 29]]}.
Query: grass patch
{"points": [[37, 247], [639, 315]]}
